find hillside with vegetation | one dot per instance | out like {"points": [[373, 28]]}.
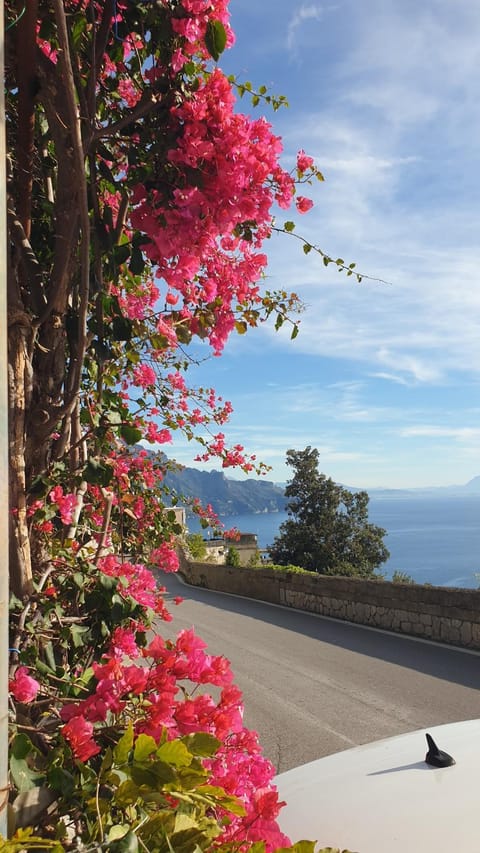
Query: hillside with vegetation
{"points": [[227, 496]]}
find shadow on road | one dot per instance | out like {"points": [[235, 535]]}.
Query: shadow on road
{"points": [[444, 662]]}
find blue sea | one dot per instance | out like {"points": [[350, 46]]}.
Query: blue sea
{"points": [[436, 540]]}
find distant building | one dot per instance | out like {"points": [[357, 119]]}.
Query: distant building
{"points": [[216, 550], [246, 545]]}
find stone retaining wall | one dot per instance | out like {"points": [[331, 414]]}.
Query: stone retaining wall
{"points": [[436, 613]]}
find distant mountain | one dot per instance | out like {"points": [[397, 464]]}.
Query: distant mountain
{"points": [[473, 486], [470, 488], [227, 497], [235, 497]]}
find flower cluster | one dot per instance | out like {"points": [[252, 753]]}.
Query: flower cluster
{"points": [[207, 228], [181, 195], [22, 686], [160, 690]]}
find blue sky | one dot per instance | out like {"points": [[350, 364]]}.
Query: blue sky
{"points": [[383, 378]]}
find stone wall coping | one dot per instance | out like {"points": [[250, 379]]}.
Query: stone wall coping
{"points": [[445, 614]]}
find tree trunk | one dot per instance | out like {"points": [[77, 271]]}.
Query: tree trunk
{"points": [[19, 382]]}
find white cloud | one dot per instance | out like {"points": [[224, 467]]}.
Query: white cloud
{"points": [[386, 99], [306, 12], [463, 434], [390, 377]]}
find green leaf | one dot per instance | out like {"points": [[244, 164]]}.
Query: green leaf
{"points": [[61, 780], [121, 253], [175, 752], [102, 350], [123, 747], [43, 668], [240, 327], [202, 744], [118, 831], [289, 226], [23, 776], [50, 656], [122, 328], [233, 804], [304, 847], [126, 794], [39, 487], [137, 262], [115, 418], [77, 30], [76, 633], [79, 579], [144, 747], [131, 435], [21, 746], [307, 248], [184, 335], [294, 332], [216, 39], [152, 775], [127, 844], [97, 473], [184, 822]]}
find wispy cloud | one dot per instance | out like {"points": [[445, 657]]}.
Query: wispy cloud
{"points": [[463, 434], [382, 376], [303, 14], [390, 377]]}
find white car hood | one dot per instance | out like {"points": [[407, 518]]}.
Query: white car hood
{"points": [[383, 797]]}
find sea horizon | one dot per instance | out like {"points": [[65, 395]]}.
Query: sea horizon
{"points": [[434, 539]]}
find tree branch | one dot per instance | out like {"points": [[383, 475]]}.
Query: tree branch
{"points": [[339, 263], [144, 106], [99, 44], [26, 50], [65, 63], [30, 263]]}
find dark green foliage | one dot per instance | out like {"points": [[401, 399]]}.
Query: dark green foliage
{"points": [[197, 546], [233, 557], [328, 529]]}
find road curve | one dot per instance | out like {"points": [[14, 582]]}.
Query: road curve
{"points": [[313, 686]]}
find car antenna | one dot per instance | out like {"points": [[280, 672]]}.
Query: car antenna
{"points": [[437, 757]]}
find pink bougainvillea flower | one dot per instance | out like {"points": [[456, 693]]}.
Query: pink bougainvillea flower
{"points": [[144, 375], [304, 162], [22, 686], [66, 503], [78, 732], [303, 204], [165, 557]]}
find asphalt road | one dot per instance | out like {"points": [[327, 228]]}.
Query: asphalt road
{"points": [[313, 686]]}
